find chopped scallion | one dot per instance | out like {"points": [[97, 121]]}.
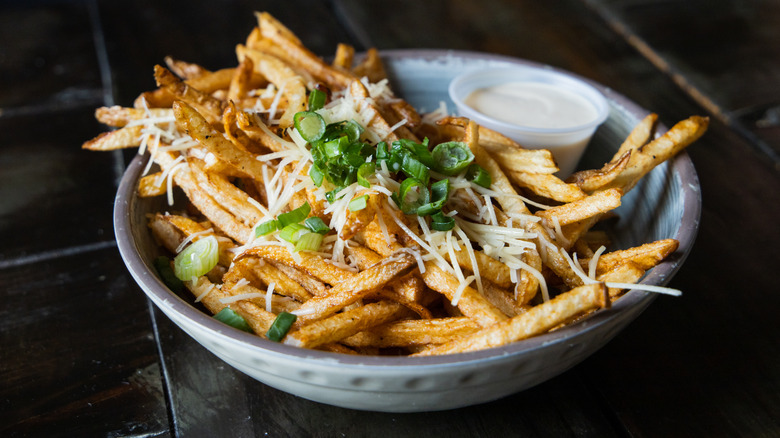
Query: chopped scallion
{"points": [[310, 125], [317, 99], [440, 192], [316, 225], [233, 319], [411, 195], [309, 242], [293, 232], [267, 227], [358, 203], [442, 222], [452, 157], [163, 266], [364, 171], [294, 216], [478, 176], [281, 326], [197, 259]]}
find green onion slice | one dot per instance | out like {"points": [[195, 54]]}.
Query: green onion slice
{"points": [[316, 225], [281, 326], [317, 99], [266, 227], [310, 125], [353, 130], [316, 175], [163, 266], [411, 195], [452, 157], [293, 232], [442, 222], [415, 168], [309, 242], [357, 204], [197, 259], [440, 192], [233, 319], [294, 216], [364, 171], [479, 176]]}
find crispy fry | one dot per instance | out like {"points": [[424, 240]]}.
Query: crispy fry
{"points": [[345, 324], [470, 302], [537, 320], [360, 285], [414, 332], [599, 202]]}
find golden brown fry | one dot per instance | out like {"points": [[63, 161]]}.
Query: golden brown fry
{"points": [[210, 107], [547, 185], [592, 180], [535, 321], [639, 136], [371, 67], [119, 116], [152, 185], [470, 302], [186, 70], [283, 77], [347, 323], [307, 262], [628, 272], [241, 83], [230, 197], [344, 56], [659, 150], [294, 53], [312, 285], [210, 208], [194, 124], [127, 137], [590, 206], [211, 297], [644, 256], [413, 332], [350, 290]]}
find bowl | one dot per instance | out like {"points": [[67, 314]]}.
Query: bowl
{"points": [[538, 107], [665, 204]]}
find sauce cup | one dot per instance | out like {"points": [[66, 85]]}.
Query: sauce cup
{"points": [[539, 108]]}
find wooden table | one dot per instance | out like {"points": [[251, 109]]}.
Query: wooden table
{"points": [[85, 354]]}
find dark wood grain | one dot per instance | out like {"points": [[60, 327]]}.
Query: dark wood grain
{"points": [[78, 350], [85, 354], [48, 58]]}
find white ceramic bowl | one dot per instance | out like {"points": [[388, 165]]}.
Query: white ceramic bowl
{"points": [[666, 204], [567, 143]]}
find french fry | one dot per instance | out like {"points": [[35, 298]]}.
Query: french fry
{"points": [[210, 107], [351, 290], [470, 302], [537, 320], [644, 256], [344, 324], [413, 332], [123, 138], [600, 202]]}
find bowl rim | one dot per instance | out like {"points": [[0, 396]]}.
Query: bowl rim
{"points": [[558, 78], [681, 165]]}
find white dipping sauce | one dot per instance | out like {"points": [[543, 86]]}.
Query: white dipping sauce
{"points": [[533, 104]]}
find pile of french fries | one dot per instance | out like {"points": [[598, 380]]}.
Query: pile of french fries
{"points": [[382, 282]]}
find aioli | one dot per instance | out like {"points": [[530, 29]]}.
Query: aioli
{"points": [[533, 104]]}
